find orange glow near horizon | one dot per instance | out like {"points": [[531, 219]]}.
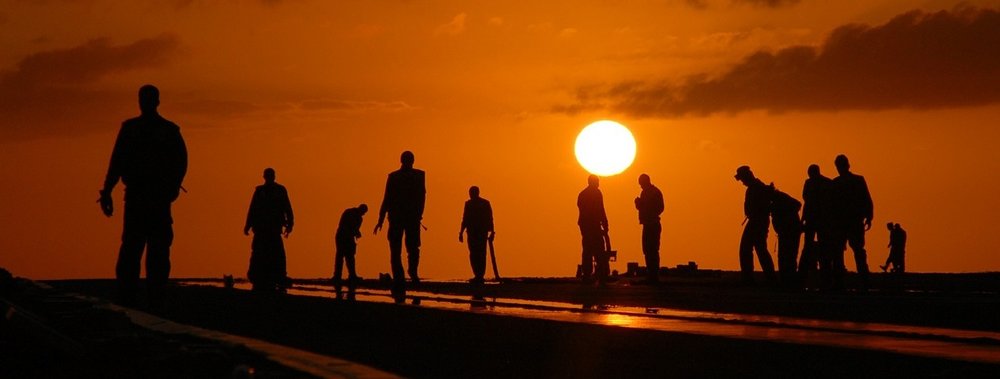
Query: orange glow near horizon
{"points": [[494, 95]]}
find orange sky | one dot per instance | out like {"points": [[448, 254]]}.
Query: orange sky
{"points": [[493, 94]]}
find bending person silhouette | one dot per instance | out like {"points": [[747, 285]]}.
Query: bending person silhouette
{"points": [[270, 212], [650, 206], [853, 213], [403, 202], [477, 221], [348, 232], [593, 222], [756, 206], [150, 158], [788, 227], [897, 249]]}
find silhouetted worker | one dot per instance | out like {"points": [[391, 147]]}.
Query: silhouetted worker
{"points": [[897, 249], [788, 227], [477, 221], [270, 212], [404, 199], [150, 158], [650, 206], [348, 232], [853, 213], [593, 222], [756, 207], [817, 225]]}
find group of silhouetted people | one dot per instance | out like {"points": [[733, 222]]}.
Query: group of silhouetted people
{"points": [[150, 158], [836, 214]]}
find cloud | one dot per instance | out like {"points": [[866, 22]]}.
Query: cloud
{"points": [[50, 92], [917, 60], [768, 3], [455, 27], [354, 106]]}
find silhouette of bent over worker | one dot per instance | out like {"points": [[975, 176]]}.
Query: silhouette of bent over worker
{"points": [[348, 231], [477, 221], [650, 206], [403, 201], [756, 205], [270, 212], [788, 227], [150, 158], [897, 249], [853, 213], [593, 222]]}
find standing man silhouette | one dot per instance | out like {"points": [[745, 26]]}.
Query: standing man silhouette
{"points": [[150, 158], [817, 225], [405, 194], [756, 206], [348, 232], [853, 213], [477, 221], [897, 249], [593, 222], [650, 206], [270, 212]]}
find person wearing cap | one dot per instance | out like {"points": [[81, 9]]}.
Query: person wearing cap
{"points": [[756, 207], [346, 239], [593, 223], [853, 214], [403, 201], [477, 223], [816, 223], [650, 206]]}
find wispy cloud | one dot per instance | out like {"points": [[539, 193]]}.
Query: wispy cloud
{"points": [[454, 27], [916, 60], [49, 92]]}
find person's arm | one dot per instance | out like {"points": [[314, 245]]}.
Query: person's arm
{"points": [[358, 220], [250, 213], [385, 205], [489, 219], [869, 206], [603, 215], [659, 203], [423, 195], [114, 173], [181, 155], [465, 222], [289, 216]]}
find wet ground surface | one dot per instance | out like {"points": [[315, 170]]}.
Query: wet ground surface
{"points": [[450, 333]]}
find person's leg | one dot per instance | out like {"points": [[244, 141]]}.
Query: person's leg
{"points": [[746, 254], [130, 255], [651, 250], [759, 234], [587, 254], [161, 236], [856, 240], [413, 251], [338, 268], [396, 261], [477, 255]]}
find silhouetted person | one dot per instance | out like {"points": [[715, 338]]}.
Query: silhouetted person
{"points": [[817, 225], [897, 249], [788, 227], [650, 206], [853, 213], [150, 158], [404, 199], [756, 207], [348, 232], [477, 221], [270, 216], [593, 222]]}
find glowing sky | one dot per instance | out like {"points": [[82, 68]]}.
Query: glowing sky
{"points": [[493, 93]]}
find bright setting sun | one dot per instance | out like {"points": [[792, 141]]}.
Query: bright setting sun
{"points": [[605, 148]]}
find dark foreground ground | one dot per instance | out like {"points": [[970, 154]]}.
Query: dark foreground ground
{"points": [[417, 341]]}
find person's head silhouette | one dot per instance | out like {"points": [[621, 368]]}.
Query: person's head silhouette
{"points": [[406, 159], [843, 165], [644, 181], [744, 175], [149, 99], [268, 175], [889, 225], [474, 192], [364, 208], [813, 171], [897, 227], [593, 181]]}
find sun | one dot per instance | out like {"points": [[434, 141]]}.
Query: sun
{"points": [[605, 148]]}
